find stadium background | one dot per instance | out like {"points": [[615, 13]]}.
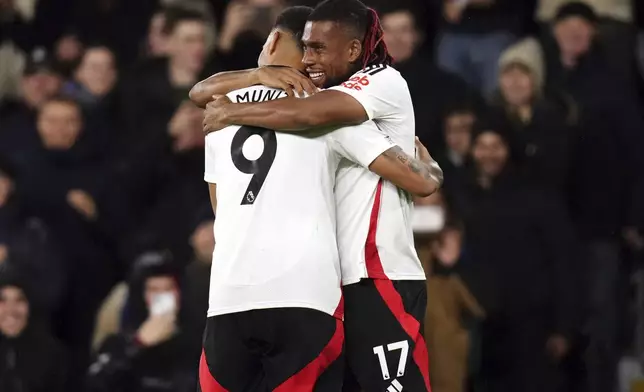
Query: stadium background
{"points": [[533, 110]]}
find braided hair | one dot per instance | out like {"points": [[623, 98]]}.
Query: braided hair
{"points": [[363, 20]]}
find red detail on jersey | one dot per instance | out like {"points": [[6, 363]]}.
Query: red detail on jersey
{"points": [[305, 379], [389, 293], [339, 311], [412, 326], [372, 258], [356, 82], [206, 380]]}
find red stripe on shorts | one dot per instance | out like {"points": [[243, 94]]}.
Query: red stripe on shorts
{"points": [[305, 379], [206, 380]]}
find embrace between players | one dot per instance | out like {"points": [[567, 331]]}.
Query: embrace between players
{"points": [[315, 282]]}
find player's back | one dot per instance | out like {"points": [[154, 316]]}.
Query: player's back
{"points": [[374, 216], [275, 225]]}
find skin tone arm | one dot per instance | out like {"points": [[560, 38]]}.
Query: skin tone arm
{"points": [[421, 177], [286, 78], [212, 189], [326, 108]]}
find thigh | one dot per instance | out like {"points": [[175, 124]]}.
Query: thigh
{"points": [[226, 363], [304, 350], [385, 347]]}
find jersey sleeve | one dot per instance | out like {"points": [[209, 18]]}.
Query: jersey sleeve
{"points": [[361, 144], [210, 170], [378, 90]]}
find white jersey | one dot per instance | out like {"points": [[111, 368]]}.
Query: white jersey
{"points": [[276, 221], [375, 237]]}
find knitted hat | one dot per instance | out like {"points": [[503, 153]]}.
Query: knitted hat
{"points": [[527, 53], [578, 9]]}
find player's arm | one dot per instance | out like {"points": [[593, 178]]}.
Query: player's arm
{"points": [[421, 177], [288, 79], [326, 108], [371, 149]]}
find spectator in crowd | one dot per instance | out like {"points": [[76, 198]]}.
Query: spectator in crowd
{"points": [[523, 258], [610, 124], [474, 34], [616, 30], [65, 182], [454, 159], [68, 51], [30, 358], [94, 78], [449, 301], [118, 24], [27, 244], [245, 26], [155, 90], [433, 90], [151, 352], [156, 44], [198, 271], [539, 123], [40, 82], [165, 193]]}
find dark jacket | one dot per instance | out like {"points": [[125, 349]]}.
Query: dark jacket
{"points": [[523, 248], [33, 250], [33, 361], [606, 191], [543, 144]]}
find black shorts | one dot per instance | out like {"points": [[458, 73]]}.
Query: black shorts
{"points": [[385, 348], [279, 349]]}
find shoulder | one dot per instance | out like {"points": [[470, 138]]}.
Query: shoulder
{"points": [[379, 75]]}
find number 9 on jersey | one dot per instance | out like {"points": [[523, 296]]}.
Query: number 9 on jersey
{"points": [[259, 167]]}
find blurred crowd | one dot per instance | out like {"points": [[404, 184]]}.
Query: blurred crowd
{"points": [[532, 107]]}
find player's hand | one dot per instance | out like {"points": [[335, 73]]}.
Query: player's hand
{"points": [[157, 329], [83, 203], [286, 78], [558, 347], [214, 115], [422, 154]]}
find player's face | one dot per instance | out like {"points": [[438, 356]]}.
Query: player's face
{"points": [[59, 125], [517, 86], [490, 153], [329, 53], [14, 311]]}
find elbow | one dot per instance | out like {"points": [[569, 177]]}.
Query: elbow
{"points": [[426, 188], [196, 95]]}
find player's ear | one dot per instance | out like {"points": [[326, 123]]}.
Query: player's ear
{"points": [[355, 50], [276, 36]]}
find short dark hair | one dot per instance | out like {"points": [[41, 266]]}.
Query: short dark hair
{"points": [[363, 20], [293, 20], [174, 16]]}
